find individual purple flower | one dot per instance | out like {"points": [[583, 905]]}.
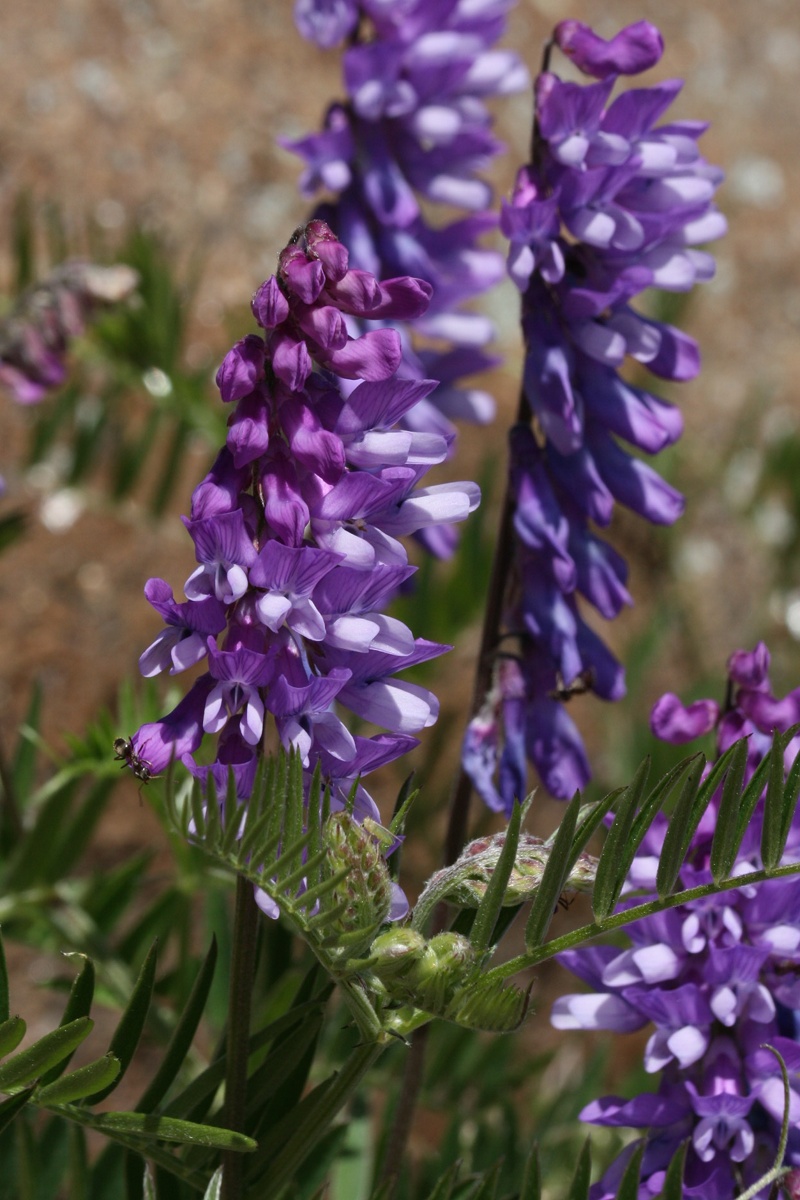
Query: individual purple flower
{"points": [[297, 530], [716, 977], [414, 128], [613, 203], [35, 335], [184, 641]]}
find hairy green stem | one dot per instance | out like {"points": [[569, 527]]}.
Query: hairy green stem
{"points": [[622, 919], [245, 927]]}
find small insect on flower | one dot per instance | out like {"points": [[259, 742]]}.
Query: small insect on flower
{"points": [[125, 753], [582, 683]]}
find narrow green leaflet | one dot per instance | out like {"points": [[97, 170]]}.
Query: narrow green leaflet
{"points": [[169, 1129], [214, 1189], [617, 854], [780, 801], [562, 857], [579, 1187], [182, 1036], [51, 1049], [532, 1179], [629, 1184], [80, 1083], [12, 1032], [10, 1107], [126, 1035], [492, 902], [78, 1005], [684, 821], [723, 849]]}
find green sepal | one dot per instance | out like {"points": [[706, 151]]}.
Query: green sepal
{"points": [[51, 1049]]}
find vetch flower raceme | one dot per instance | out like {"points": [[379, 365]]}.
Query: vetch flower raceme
{"points": [[613, 203], [415, 129], [296, 533], [717, 978]]}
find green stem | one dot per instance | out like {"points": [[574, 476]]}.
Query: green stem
{"points": [[310, 1128], [245, 926], [621, 919]]}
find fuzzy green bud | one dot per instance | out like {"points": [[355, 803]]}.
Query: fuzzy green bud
{"points": [[363, 896]]}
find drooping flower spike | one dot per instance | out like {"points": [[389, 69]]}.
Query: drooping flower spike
{"points": [[716, 978], [613, 203], [297, 529], [415, 129]]}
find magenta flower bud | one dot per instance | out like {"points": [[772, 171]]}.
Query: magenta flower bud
{"points": [[269, 305], [635, 48], [672, 722], [241, 368]]}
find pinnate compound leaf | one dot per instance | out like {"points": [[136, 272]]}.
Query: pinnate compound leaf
{"points": [[492, 902], [81, 1082], [618, 851], [735, 803], [150, 1127], [563, 855], [126, 1035], [12, 1032], [579, 1186], [49, 1050]]}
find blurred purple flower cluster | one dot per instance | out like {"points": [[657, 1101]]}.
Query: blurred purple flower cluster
{"points": [[35, 335], [414, 129], [613, 203], [717, 978], [296, 531]]}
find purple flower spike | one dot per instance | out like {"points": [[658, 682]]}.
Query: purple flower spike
{"points": [[296, 532], [635, 48], [414, 124], [712, 977], [613, 203]]}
